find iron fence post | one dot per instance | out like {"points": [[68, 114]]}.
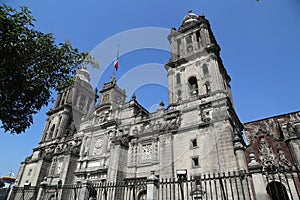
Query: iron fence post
{"points": [[12, 192], [84, 192], [42, 190], [152, 184], [255, 170]]}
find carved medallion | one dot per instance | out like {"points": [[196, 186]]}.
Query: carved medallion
{"points": [[99, 143]]}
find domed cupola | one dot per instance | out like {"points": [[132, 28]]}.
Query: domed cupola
{"points": [[190, 17], [83, 75]]}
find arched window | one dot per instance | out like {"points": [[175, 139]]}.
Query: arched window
{"points": [[207, 87], [82, 102], [179, 93], [193, 85], [50, 135], [189, 44], [277, 191], [178, 80], [205, 70]]}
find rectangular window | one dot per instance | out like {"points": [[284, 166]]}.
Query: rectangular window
{"points": [[29, 172], [194, 143], [195, 161]]}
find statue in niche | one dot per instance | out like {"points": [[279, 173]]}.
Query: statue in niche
{"points": [[290, 129], [283, 162], [86, 147]]}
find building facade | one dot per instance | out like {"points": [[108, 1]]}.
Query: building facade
{"points": [[199, 131]]}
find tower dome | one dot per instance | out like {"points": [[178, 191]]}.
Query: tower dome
{"points": [[83, 74], [190, 17]]}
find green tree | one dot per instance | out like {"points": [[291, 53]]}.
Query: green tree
{"points": [[32, 65]]}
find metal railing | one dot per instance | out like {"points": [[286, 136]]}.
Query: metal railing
{"points": [[23, 193], [125, 190], [236, 185], [69, 192], [241, 185]]}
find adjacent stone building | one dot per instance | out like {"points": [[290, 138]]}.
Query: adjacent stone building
{"points": [[198, 131]]}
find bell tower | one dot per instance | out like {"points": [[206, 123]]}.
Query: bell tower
{"points": [[195, 68], [54, 158], [199, 88]]}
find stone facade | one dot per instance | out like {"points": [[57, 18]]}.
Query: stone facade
{"points": [[274, 148], [199, 130]]}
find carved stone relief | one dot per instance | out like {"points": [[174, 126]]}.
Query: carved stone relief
{"points": [[104, 116], [98, 146], [146, 152], [133, 152], [59, 166], [282, 161], [173, 121], [267, 156]]}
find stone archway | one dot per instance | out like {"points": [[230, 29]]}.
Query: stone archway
{"points": [[276, 191], [142, 195]]}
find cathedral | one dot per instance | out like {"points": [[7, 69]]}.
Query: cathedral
{"points": [[112, 140]]}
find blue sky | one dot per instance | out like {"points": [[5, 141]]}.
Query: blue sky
{"points": [[259, 40]]}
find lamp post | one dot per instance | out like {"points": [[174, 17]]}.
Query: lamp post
{"points": [[181, 176]]}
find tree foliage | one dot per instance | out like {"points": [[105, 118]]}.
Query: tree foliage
{"points": [[31, 66]]}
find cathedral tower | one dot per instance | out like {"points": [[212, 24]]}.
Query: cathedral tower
{"points": [[57, 151], [199, 87]]}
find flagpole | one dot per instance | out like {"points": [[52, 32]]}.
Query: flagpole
{"points": [[116, 62]]}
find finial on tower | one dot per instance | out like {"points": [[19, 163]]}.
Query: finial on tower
{"points": [[133, 97], [190, 11]]}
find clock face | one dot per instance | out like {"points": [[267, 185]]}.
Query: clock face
{"points": [[105, 98]]}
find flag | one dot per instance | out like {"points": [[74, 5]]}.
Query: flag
{"points": [[116, 63]]}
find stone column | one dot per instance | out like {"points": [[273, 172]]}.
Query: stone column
{"points": [[62, 99], [258, 181], [73, 97], [63, 124], [58, 98], [183, 46], [45, 130], [42, 191], [84, 191], [152, 187], [78, 100], [194, 41], [166, 155], [86, 106], [292, 139], [239, 150]]}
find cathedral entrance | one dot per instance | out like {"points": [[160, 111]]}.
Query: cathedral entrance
{"points": [[276, 191]]}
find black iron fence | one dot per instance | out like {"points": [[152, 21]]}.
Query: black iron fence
{"points": [[125, 190], [4, 193], [279, 185], [212, 186], [23, 193], [69, 192]]}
